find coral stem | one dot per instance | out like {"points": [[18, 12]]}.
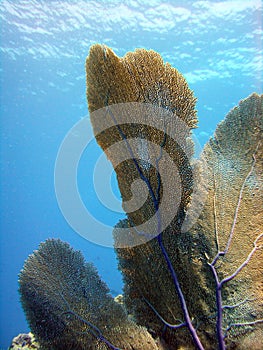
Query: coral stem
{"points": [[170, 325], [243, 324], [229, 278], [219, 285], [144, 178], [99, 336], [181, 296], [219, 306]]}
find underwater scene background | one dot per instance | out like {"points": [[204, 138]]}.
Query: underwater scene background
{"points": [[216, 45]]}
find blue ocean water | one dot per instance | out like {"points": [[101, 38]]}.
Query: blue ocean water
{"points": [[217, 45]]}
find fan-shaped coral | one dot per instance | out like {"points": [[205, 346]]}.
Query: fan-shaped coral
{"points": [[69, 307]]}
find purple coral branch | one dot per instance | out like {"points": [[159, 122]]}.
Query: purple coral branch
{"points": [[187, 318], [219, 285], [170, 325], [242, 324], [94, 330], [219, 307], [229, 278], [238, 304], [99, 336], [144, 178]]}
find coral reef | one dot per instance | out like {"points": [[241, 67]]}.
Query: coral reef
{"points": [[25, 341], [190, 249]]}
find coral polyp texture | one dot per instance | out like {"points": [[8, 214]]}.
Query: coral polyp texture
{"points": [[190, 248], [139, 76]]}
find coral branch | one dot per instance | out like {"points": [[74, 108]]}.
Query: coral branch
{"points": [[242, 324], [93, 329], [181, 297], [219, 285], [170, 325], [239, 203], [237, 305], [124, 138], [215, 215], [229, 278], [98, 336], [219, 307], [69, 311], [157, 167]]}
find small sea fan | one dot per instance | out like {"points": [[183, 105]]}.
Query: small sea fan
{"points": [[67, 305]]}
